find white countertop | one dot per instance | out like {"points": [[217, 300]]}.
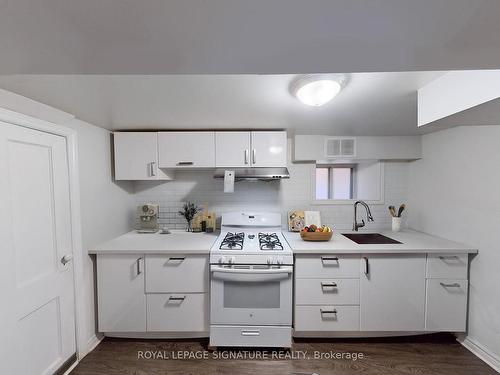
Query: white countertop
{"points": [[176, 242], [412, 242]]}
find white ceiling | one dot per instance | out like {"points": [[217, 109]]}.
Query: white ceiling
{"points": [[370, 104], [246, 36]]}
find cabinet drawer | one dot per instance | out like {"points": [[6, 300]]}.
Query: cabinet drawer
{"points": [[186, 150], [451, 266], [327, 291], [177, 312], [176, 273], [326, 318], [446, 305], [251, 336], [328, 266]]}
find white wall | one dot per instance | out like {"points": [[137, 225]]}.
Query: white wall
{"points": [[454, 193], [106, 206], [278, 196]]}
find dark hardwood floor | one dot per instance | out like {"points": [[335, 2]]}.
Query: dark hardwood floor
{"points": [[431, 354]]}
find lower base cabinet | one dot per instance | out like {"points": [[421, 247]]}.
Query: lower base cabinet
{"points": [[166, 300], [383, 293]]}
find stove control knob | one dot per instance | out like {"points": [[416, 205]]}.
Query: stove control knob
{"points": [[231, 260], [222, 260], [279, 261], [270, 260]]}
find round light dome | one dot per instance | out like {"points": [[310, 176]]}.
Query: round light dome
{"points": [[317, 91]]}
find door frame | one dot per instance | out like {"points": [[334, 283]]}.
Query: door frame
{"points": [[70, 135]]}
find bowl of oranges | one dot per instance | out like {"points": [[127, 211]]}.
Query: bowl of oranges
{"points": [[315, 233]]}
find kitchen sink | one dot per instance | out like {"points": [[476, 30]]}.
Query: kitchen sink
{"points": [[370, 238]]}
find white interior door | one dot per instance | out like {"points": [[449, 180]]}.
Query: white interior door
{"points": [[37, 273]]}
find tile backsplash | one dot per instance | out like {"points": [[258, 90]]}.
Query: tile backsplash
{"points": [[276, 196]]}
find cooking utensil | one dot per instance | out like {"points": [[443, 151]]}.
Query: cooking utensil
{"points": [[401, 209], [392, 210]]}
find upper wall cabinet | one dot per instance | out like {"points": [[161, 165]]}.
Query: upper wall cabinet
{"points": [[323, 148], [186, 149], [232, 149], [136, 156], [251, 149]]}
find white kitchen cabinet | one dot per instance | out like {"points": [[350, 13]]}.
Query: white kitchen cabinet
{"points": [[269, 149], [136, 156], [186, 149], [120, 290], [446, 305], [326, 318], [392, 292], [232, 149]]}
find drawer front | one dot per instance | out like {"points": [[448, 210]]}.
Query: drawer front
{"points": [[446, 305], [327, 318], [447, 266], [328, 266], [177, 312], [327, 291], [176, 273], [263, 336]]}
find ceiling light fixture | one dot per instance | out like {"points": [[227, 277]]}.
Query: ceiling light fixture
{"points": [[316, 90]]}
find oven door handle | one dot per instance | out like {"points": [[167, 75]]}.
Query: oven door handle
{"points": [[251, 275]]}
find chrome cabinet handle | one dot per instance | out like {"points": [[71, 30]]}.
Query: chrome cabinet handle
{"points": [[138, 265], [452, 285], [176, 259], [185, 163], [248, 332], [328, 312], [366, 270], [444, 257], [180, 299], [325, 285], [254, 156], [246, 156], [326, 260], [66, 259], [151, 169]]}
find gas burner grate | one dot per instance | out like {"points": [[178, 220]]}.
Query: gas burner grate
{"points": [[232, 241], [269, 241]]}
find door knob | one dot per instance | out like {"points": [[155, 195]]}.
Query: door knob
{"points": [[67, 258]]}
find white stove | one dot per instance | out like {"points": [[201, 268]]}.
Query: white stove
{"points": [[251, 273], [251, 238]]}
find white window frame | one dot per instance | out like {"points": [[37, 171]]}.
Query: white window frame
{"points": [[320, 202]]}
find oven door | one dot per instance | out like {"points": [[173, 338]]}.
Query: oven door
{"points": [[251, 295]]}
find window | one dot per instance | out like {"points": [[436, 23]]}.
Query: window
{"points": [[335, 182]]}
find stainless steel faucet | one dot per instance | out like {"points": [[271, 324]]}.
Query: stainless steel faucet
{"points": [[356, 225]]}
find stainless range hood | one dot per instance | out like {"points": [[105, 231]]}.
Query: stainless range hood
{"points": [[266, 174]]}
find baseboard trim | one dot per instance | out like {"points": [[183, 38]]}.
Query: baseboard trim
{"points": [[481, 352], [89, 346]]}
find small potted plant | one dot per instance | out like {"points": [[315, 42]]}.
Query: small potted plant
{"points": [[189, 210]]}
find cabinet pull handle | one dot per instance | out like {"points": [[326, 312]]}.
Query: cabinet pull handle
{"points": [[326, 260], [151, 169], [444, 257], [138, 264], [452, 285], [328, 285], [171, 298], [185, 163], [246, 156], [331, 312], [248, 332], [254, 156], [176, 259], [366, 270]]}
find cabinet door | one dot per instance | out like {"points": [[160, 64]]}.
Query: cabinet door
{"points": [[269, 149], [446, 307], [136, 156], [232, 149], [186, 149], [120, 293], [392, 292]]}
